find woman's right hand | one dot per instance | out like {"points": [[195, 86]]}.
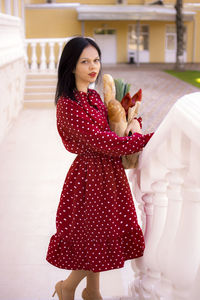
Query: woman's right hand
{"points": [[133, 126]]}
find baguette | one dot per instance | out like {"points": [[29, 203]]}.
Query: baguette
{"points": [[108, 88], [117, 117]]}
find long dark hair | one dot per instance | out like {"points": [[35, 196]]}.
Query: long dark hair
{"points": [[68, 60]]}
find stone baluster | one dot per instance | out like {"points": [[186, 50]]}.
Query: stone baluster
{"points": [[160, 202], [8, 7], [137, 194], [51, 56], [185, 253], [60, 44], [138, 265], [175, 179], [34, 65], [16, 9], [142, 179], [43, 58], [22, 11], [26, 55]]}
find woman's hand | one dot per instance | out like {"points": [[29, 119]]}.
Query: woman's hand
{"points": [[133, 126]]}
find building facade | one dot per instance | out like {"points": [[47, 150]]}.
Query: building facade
{"points": [[126, 30]]}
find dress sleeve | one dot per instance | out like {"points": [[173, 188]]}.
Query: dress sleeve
{"points": [[74, 122]]}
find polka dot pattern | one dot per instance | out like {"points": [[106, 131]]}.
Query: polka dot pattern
{"points": [[96, 221]]}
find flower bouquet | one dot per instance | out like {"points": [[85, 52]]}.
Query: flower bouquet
{"points": [[122, 110]]}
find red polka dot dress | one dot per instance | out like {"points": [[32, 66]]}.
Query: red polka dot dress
{"points": [[96, 222]]}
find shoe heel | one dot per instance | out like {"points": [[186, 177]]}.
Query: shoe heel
{"points": [[54, 293]]}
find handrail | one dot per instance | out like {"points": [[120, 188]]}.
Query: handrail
{"points": [[167, 185], [12, 39]]}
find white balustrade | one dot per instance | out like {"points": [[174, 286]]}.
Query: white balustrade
{"points": [[16, 8], [168, 182], [34, 56], [8, 7], [38, 59], [7, 4]]}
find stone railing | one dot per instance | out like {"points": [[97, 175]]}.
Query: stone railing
{"points": [[12, 70], [167, 187], [42, 55], [12, 7]]}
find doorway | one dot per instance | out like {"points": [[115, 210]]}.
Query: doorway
{"points": [[106, 39]]}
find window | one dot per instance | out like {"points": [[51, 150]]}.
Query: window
{"points": [[104, 31], [143, 38], [171, 38]]}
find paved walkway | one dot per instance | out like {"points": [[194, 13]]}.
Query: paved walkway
{"points": [[34, 164]]}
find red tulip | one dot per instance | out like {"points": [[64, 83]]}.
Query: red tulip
{"points": [[127, 102], [137, 97]]}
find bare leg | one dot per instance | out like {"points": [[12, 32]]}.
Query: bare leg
{"points": [[93, 285], [69, 285]]}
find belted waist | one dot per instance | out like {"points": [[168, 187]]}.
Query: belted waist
{"points": [[93, 154]]}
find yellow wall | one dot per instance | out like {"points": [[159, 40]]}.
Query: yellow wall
{"points": [[157, 42], [2, 6], [94, 2], [108, 1], [189, 41], [184, 1], [197, 53], [20, 8], [52, 23], [87, 1]]}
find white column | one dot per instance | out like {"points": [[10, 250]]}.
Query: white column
{"points": [[138, 42], [23, 17], [43, 58], [175, 180], [185, 257], [34, 65], [16, 9], [160, 202], [26, 54], [51, 56], [138, 265], [7, 7], [60, 44]]}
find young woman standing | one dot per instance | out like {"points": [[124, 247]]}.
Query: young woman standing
{"points": [[96, 222]]}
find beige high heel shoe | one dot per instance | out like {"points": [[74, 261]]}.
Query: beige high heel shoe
{"points": [[58, 290], [86, 296]]}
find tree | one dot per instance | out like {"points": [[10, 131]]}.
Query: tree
{"points": [[179, 36]]}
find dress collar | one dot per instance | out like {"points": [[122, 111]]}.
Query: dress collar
{"points": [[76, 92], [86, 98]]}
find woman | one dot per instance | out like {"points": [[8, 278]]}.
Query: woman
{"points": [[97, 228]]}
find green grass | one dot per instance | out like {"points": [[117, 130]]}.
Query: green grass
{"points": [[192, 77]]}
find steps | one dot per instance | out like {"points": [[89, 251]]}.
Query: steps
{"points": [[40, 90]]}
